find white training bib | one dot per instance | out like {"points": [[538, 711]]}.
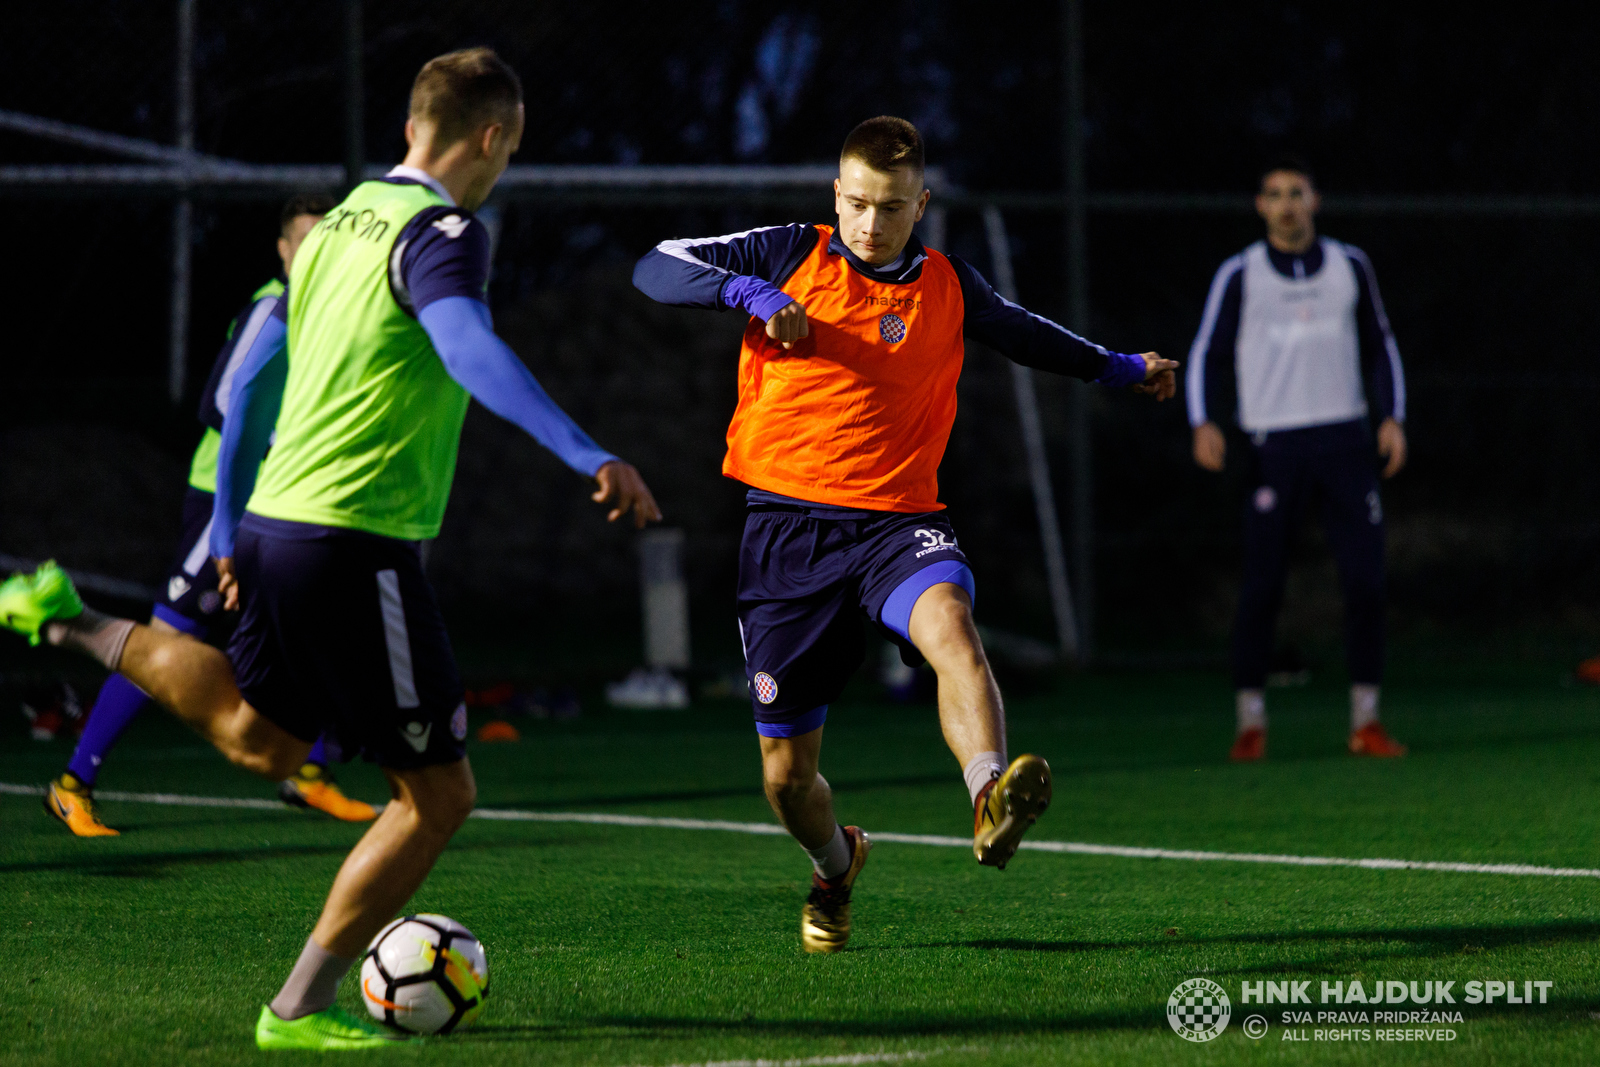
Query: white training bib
{"points": [[1297, 356]]}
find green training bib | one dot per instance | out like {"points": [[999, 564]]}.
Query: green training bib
{"points": [[370, 423]]}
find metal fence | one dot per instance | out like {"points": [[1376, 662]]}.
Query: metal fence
{"points": [[180, 174]]}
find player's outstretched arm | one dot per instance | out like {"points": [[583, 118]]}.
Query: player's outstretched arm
{"points": [[1035, 341], [463, 334], [246, 431]]}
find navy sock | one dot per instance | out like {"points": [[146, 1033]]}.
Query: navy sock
{"points": [[318, 754], [119, 701]]}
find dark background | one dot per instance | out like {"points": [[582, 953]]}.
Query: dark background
{"points": [[1493, 525]]}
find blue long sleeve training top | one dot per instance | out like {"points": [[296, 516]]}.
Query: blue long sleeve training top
{"points": [[745, 271], [241, 335]]}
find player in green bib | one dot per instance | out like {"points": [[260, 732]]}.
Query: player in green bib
{"points": [[241, 334], [337, 460], [362, 383], [189, 601]]}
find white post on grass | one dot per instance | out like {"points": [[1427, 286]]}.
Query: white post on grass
{"points": [[1044, 500], [183, 210], [666, 599]]}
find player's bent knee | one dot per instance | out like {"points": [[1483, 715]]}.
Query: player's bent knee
{"points": [[789, 782], [272, 765], [440, 798], [789, 767], [255, 743], [947, 637], [792, 784], [275, 763]]}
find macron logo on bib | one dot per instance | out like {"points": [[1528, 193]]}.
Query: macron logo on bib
{"points": [[452, 226]]}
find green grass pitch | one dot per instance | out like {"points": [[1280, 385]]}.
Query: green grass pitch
{"points": [[620, 946]]}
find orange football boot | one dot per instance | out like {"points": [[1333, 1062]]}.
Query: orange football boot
{"points": [[73, 803], [1373, 740], [1249, 746], [316, 790]]}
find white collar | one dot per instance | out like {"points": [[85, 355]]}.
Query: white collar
{"points": [[403, 171]]}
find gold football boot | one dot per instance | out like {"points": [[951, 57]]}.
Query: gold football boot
{"points": [[825, 920], [73, 803], [1007, 807]]}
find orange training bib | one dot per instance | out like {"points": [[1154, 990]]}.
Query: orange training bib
{"points": [[858, 413]]}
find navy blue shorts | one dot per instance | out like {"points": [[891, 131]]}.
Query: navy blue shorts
{"points": [[339, 635], [1335, 466], [190, 601], [804, 583]]}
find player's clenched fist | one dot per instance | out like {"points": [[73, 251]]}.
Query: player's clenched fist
{"points": [[1159, 381], [788, 324], [623, 487]]}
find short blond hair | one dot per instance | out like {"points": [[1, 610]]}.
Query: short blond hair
{"points": [[461, 92]]}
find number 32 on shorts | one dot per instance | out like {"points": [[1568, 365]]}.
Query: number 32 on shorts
{"points": [[932, 541]]}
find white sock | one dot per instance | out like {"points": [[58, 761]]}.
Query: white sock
{"points": [[980, 769], [1250, 706], [313, 985], [1363, 706], [832, 859]]}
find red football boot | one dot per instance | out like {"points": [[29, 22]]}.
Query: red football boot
{"points": [[1373, 740], [1249, 746]]}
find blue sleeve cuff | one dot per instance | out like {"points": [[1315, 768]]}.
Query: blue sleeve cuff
{"points": [[1122, 370], [755, 295]]}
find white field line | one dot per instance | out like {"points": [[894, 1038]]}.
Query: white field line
{"points": [[773, 829], [822, 1061], [174, 799]]}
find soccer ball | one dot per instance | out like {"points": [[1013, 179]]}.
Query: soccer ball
{"points": [[425, 974]]}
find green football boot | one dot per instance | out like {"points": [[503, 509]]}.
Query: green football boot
{"points": [[330, 1030], [28, 601]]}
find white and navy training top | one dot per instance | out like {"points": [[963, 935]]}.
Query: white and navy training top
{"points": [[1290, 341]]}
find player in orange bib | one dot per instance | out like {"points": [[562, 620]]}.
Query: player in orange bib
{"points": [[847, 392]]}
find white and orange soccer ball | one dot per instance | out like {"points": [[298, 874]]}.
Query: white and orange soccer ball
{"points": [[425, 974]]}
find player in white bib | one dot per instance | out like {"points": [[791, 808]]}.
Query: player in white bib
{"points": [[1295, 348]]}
